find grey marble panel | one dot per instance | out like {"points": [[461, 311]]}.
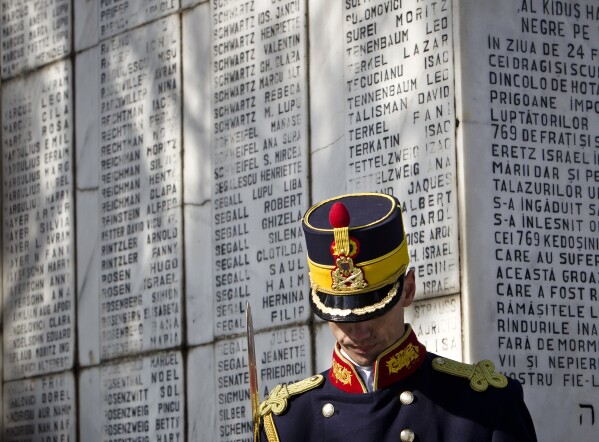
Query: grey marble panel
{"points": [[530, 144], [90, 405], [259, 190], [201, 392], [197, 174], [40, 409], [282, 356], [86, 28], [325, 343], [438, 324], [400, 125], [144, 398], [140, 203], [327, 108], [116, 16], [38, 277], [34, 33]]}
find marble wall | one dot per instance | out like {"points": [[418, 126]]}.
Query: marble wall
{"points": [[157, 157]]}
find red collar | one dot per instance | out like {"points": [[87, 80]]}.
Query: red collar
{"points": [[394, 364]]}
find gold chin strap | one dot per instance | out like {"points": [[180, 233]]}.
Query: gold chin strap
{"points": [[356, 311]]}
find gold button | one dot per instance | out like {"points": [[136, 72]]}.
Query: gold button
{"points": [[406, 398], [328, 410], [407, 436]]}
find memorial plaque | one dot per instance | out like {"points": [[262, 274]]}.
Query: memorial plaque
{"points": [[117, 16], [400, 124], [40, 409], [34, 33], [144, 399], [140, 139], [533, 237], [259, 189], [282, 356], [38, 275], [438, 325]]}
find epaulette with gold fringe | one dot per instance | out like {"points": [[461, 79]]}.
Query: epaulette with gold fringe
{"points": [[480, 375], [277, 402]]}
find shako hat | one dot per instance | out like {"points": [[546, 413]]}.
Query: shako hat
{"points": [[357, 256]]}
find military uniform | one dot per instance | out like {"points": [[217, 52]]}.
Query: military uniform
{"points": [[417, 396], [357, 258]]}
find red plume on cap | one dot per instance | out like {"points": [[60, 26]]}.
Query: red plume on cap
{"points": [[339, 216], [339, 219]]}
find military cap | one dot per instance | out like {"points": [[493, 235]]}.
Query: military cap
{"points": [[357, 256]]}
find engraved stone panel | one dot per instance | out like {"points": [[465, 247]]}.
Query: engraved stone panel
{"points": [[40, 409], [282, 356], [38, 247], [34, 33], [400, 124], [144, 398], [259, 158], [531, 247], [438, 325], [140, 138], [117, 16]]}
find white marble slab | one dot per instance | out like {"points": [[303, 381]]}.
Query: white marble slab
{"points": [[38, 262], [327, 105], [90, 405], [39, 409], [192, 3], [259, 192], [197, 174], [86, 28], [87, 159], [325, 342], [282, 356], [400, 125], [143, 397], [140, 204], [201, 394], [438, 324], [530, 240], [33, 34], [118, 16]]}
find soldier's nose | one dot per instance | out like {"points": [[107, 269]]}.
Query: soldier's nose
{"points": [[359, 331]]}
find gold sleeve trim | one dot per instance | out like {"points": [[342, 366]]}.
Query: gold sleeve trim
{"points": [[480, 375], [270, 429]]}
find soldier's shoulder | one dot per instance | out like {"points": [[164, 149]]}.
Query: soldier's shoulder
{"points": [[277, 401], [480, 375]]}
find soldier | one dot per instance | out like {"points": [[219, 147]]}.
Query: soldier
{"points": [[382, 385]]}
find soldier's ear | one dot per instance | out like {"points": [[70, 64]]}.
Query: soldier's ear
{"points": [[409, 288]]}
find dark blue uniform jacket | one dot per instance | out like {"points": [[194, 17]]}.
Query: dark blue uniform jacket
{"points": [[417, 397]]}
